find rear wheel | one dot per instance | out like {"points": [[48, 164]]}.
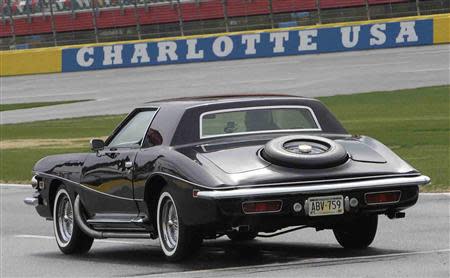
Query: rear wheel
{"points": [[242, 236], [69, 237], [176, 239], [358, 234]]}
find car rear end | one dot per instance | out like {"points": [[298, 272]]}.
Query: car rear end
{"points": [[321, 205]]}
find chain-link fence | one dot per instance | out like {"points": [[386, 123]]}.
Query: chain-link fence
{"points": [[39, 23]]}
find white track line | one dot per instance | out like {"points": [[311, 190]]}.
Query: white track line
{"points": [[435, 194], [98, 240], [426, 70], [297, 263], [15, 185]]}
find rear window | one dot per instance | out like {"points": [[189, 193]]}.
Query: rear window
{"points": [[257, 120]]}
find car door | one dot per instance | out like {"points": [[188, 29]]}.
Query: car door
{"points": [[108, 173]]}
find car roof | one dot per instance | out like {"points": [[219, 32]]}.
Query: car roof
{"points": [[192, 101]]}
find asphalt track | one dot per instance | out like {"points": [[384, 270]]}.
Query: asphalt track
{"points": [[416, 246], [119, 90]]}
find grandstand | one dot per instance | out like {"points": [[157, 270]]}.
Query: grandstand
{"points": [[38, 23]]}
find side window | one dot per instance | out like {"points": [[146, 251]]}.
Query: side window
{"points": [[152, 138], [132, 134]]}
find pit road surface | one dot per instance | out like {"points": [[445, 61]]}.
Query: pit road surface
{"points": [[416, 246], [120, 90]]}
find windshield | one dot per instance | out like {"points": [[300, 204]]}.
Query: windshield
{"points": [[257, 120]]}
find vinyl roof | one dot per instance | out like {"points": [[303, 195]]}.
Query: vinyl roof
{"points": [[194, 100]]}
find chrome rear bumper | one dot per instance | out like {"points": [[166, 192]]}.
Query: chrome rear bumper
{"points": [[319, 188]]}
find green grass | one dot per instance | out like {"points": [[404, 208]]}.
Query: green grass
{"points": [[16, 164], [96, 126], [414, 123], [17, 106]]}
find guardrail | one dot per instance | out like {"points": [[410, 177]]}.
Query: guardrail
{"points": [[351, 36]]}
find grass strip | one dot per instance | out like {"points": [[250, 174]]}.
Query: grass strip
{"points": [[17, 106]]}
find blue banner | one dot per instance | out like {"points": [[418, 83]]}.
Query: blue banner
{"points": [[250, 45]]}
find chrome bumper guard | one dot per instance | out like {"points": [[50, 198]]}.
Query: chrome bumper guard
{"points": [[319, 188], [31, 201]]}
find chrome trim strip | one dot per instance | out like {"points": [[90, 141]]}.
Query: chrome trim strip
{"points": [[262, 201], [111, 221], [319, 128], [31, 201], [324, 188], [87, 187], [384, 203], [293, 183], [303, 184]]}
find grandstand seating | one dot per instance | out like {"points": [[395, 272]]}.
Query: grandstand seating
{"points": [[32, 16]]}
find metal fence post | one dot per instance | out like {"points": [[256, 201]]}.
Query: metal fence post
{"points": [[418, 7], [3, 8], [72, 8], [42, 6], [94, 20], [11, 22], [27, 5], [138, 23], [319, 17], [52, 21], [122, 11], [225, 15], [272, 25], [180, 17], [367, 9]]}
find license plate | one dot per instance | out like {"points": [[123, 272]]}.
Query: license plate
{"points": [[326, 205]]}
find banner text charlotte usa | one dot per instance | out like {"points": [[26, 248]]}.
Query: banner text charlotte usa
{"points": [[251, 45]]}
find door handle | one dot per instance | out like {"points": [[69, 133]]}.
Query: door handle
{"points": [[128, 164]]}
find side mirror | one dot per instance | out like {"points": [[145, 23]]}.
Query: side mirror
{"points": [[97, 144]]}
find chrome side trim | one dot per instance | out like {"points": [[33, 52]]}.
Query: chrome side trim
{"points": [[321, 188], [86, 187], [293, 183]]}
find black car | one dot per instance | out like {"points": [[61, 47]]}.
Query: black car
{"points": [[190, 169]]}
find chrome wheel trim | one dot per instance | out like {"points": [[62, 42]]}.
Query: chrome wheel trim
{"points": [[168, 224], [63, 221]]}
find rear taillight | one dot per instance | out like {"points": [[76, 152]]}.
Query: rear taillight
{"points": [[252, 207], [384, 197]]}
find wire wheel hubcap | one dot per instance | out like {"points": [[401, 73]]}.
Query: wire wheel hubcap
{"points": [[65, 219], [169, 224]]}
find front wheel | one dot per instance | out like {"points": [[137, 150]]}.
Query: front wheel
{"points": [[69, 237], [358, 234], [176, 239]]}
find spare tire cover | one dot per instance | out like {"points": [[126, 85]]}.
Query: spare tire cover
{"points": [[304, 151]]}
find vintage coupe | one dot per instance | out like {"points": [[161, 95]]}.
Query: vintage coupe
{"points": [[190, 169]]}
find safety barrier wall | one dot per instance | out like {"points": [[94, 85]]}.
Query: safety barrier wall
{"points": [[400, 32]]}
